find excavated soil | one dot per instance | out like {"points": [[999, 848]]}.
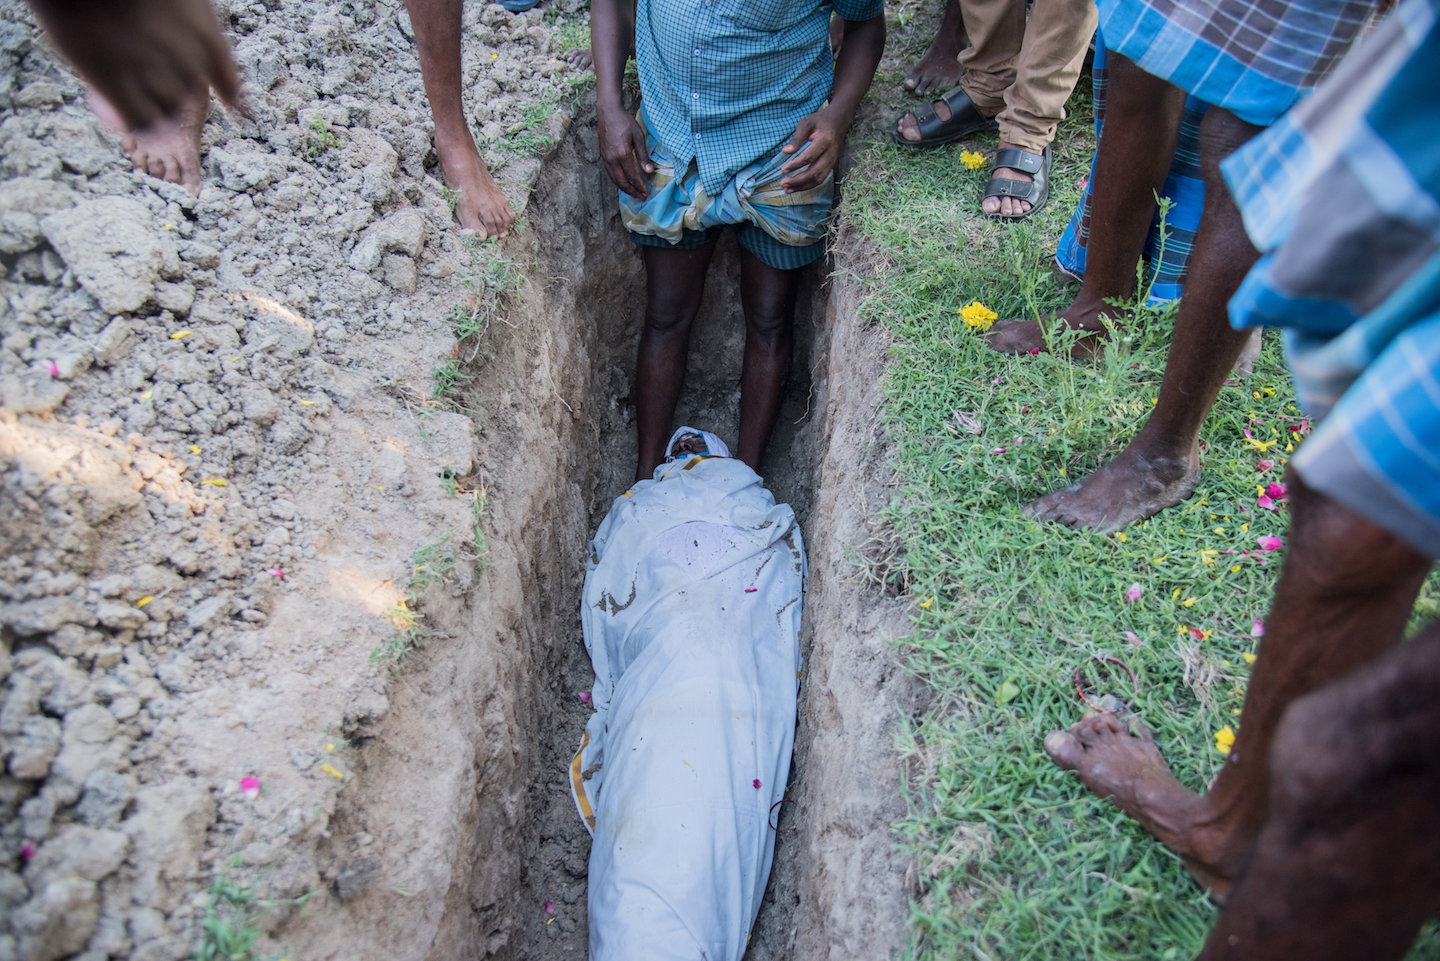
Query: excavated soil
{"points": [[222, 467]]}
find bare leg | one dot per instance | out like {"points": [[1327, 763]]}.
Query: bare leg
{"points": [[481, 207], [768, 297], [167, 149], [1348, 862], [674, 286], [1343, 599], [1142, 125], [939, 68], [1161, 466]]}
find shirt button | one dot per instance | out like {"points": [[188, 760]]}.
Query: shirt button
{"points": [[697, 136], [697, 96], [697, 51]]}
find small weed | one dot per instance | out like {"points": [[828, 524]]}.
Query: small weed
{"points": [[485, 285], [451, 197], [318, 139], [447, 376], [227, 930], [432, 564]]}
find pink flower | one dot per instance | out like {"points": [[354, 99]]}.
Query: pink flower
{"points": [[751, 590], [996, 380], [1034, 351], [1134, 593], [1264, 465], [998, 450], [549, 907], [1265, 502], [1270, 543], [1276, 491], [1025, 409], [53, 368], [250, 786], [1257, 629], [1198, 634], [756, 783], [275, 572], [585, 696], [1084, 183], [27, 850], [1133, 638]]}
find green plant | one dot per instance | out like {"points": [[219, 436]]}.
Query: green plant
{"points": [[318, 138], [451, 197], [227, 929], [432, 563], [447, 376], [485, 284]]}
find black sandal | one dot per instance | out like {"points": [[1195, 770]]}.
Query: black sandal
{"points": [[1034, 192], [965, 120]]}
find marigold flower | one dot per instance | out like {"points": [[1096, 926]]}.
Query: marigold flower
{"points": [[972, 160], [977, 315]]}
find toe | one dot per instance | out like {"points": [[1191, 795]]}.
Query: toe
{"points": [[1065, 750]]}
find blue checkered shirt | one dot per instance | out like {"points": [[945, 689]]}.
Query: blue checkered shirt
{"points": [[725, 82]]}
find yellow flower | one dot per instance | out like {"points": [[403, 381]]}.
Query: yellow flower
{"points": [[334, 773], [180, 335], [1249, 658], [977, 315], [143, 601], [194, 448], [972, 160], [1224, 739], [927, 602]]}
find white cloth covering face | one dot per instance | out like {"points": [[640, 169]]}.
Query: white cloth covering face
{"points": [[714, 446], [691, 616]]}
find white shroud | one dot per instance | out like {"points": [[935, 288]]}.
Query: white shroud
{"points": [[691, 616]]}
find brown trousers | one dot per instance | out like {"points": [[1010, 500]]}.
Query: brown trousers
{"points": [[1026, 71]]}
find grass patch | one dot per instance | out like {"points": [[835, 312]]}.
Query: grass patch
{"points": [[1012, 858]]}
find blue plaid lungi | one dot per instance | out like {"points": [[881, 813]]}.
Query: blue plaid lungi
{"points": [[1169, 252], [1343, 199], [785, 231], [1255, 58]]}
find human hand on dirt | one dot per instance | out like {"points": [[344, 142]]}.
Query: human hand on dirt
{"points": [[145, 57], [825, 132], [622, 147]]}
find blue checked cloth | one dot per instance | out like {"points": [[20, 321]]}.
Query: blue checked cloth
{"points": [[1255, 58], [1168, 253], [679, 202], [1343, 199], [724, 82]]}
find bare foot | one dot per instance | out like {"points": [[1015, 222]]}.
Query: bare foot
{"points": [[169, 148], [1130, 488], [1023, 336], [481, 206], [939, 69], [1125, 768], [1007, 206], [580, 58]]}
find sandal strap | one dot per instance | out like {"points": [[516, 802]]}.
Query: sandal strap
{"points": [[1027, 190], [1013, 158], [927, 120]]}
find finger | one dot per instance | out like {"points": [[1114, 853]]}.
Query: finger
{"points": [[807, 156], [803, 131], [641, 150]]}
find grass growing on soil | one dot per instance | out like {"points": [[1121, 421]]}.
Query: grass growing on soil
{"points": [[1012, 857]]}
